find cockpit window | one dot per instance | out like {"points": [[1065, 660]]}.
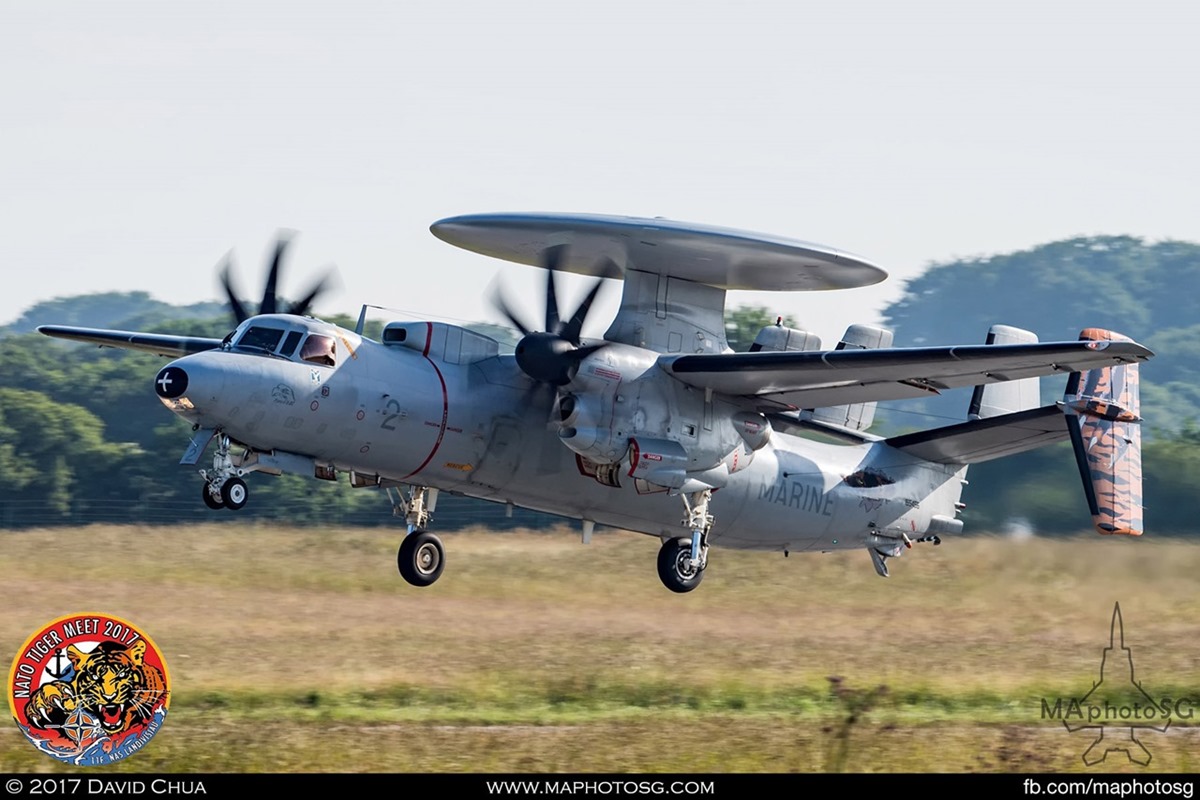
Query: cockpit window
{"points": [[319, 350], [289, 344], [259, 338]]}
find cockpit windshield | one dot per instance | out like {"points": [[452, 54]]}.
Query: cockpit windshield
{"points": [[289, 344], [260, 338], [286, 342]]}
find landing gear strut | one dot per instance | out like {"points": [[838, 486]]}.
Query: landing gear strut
{"points": [[682, 561], [223, 484], [421, 557]]}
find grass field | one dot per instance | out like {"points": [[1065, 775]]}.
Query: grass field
{"points": [[303, 650]]}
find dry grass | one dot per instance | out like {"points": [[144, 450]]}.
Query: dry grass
{"points": [[536, 653]]}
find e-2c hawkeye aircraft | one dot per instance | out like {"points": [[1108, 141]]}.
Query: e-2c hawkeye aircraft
{"points": [[658, 427]]}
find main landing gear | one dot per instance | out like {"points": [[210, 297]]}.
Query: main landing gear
{"points": [[682, 561], [421, 557], [223, 484]]}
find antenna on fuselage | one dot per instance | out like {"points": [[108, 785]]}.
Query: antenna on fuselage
{"points": [[362, 318]]}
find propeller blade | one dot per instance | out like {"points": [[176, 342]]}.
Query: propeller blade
{"points": [[580, 353], [552, 355], [269, 302], [540, 396], [235, 305], [551, 258], [303, 305], [502, 306], [574, 326]]}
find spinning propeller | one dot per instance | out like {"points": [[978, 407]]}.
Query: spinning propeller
{"points": [[552, 355], [270, 303]]}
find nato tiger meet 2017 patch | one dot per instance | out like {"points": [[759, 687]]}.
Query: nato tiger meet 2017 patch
{"points": [[89, 689]]}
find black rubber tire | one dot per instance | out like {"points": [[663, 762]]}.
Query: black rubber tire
{"points": [[234, 493], [673, 568], [212, 502], [421, 558]]}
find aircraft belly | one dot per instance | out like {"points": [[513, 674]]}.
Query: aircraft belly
{"points": [[757, 509], [571, 496], [523, 463], [803, 495], [795, 495], [787, 502]]}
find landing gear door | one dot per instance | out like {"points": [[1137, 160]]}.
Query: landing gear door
{"points": [[197, 446]]}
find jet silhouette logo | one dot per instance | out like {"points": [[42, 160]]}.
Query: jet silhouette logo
{"points": [[1117, 706]]}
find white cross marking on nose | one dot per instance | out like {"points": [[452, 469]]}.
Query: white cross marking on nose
{"points": [[164, 381]]}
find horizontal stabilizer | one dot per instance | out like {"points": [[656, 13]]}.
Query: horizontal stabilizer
{"points": [[1102, 407], [984, 439]]}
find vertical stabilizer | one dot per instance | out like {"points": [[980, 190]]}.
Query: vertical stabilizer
{"points": [[856, 416], [994, 399], [1102, 409], [779, 338]]}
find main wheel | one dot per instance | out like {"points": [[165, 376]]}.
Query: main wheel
{"points": [[234, 493], [210, 501], [675, 568], [421, 558]]}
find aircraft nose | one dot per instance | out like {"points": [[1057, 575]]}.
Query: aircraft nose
{"points": [[172, 382], [190, 386]]}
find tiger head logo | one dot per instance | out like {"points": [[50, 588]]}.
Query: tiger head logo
{"points": [[94, 699]]}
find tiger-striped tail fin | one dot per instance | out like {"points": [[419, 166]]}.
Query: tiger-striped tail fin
{"points": [[1102, 408]]}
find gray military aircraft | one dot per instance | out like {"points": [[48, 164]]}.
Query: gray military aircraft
{"points": [[658, 427]]}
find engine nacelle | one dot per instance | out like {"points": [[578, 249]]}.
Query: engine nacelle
{"points": [[658, 461], [677, 437], [593, 414], [580, 431]]}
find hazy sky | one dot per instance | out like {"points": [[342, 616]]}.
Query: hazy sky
{"points": [[142, 141]]}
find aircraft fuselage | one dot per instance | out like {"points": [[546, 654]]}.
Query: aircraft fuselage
{"points": [[481, 428]]}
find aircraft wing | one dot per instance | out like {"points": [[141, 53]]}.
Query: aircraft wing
{"points": [[817, 379], [158, 343]]}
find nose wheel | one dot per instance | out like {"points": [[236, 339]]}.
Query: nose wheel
{"points": [[421, 558], [230, 493], [211, 500], [234, 493]]}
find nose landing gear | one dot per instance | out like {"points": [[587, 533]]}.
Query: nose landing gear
{"points": [[223, 484]]}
